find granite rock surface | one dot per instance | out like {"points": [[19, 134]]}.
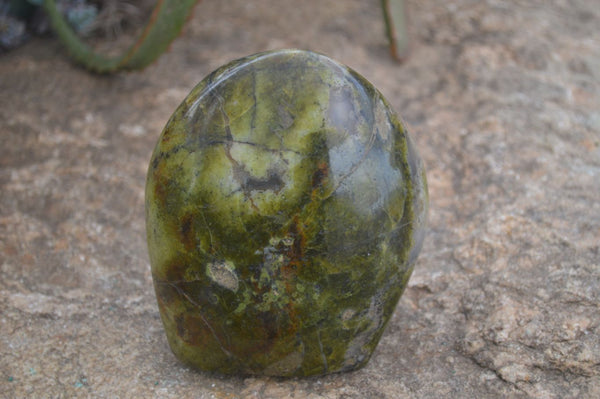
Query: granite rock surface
{"points": [[502, 99]]}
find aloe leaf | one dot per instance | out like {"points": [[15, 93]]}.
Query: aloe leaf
{"points": [[394, 14], [164, 25]]}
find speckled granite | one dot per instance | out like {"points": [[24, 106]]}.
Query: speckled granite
{"points": [[502, 99]]}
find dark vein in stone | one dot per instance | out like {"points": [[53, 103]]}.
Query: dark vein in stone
{"points": [[197, 305], [368, 147]]}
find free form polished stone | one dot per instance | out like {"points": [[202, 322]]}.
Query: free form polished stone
{"points": [[285, 209]]}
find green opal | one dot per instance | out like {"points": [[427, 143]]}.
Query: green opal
{"points": [[285, 209]]}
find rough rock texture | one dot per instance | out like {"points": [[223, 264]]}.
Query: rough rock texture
{"points": [[503, 101]]}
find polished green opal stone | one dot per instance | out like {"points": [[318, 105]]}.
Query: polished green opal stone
{"points": [[285, 209]]}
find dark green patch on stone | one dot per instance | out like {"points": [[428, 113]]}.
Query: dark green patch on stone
{"points": [[285, 208]]}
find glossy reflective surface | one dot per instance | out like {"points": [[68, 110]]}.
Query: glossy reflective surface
{"points": [[285, 209]]}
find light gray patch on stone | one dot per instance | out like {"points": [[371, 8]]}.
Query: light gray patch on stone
{"points": [[347, 314], [356, 353], [223, 274]]}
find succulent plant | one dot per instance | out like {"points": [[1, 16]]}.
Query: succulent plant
{"points": [[72, 19]]}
